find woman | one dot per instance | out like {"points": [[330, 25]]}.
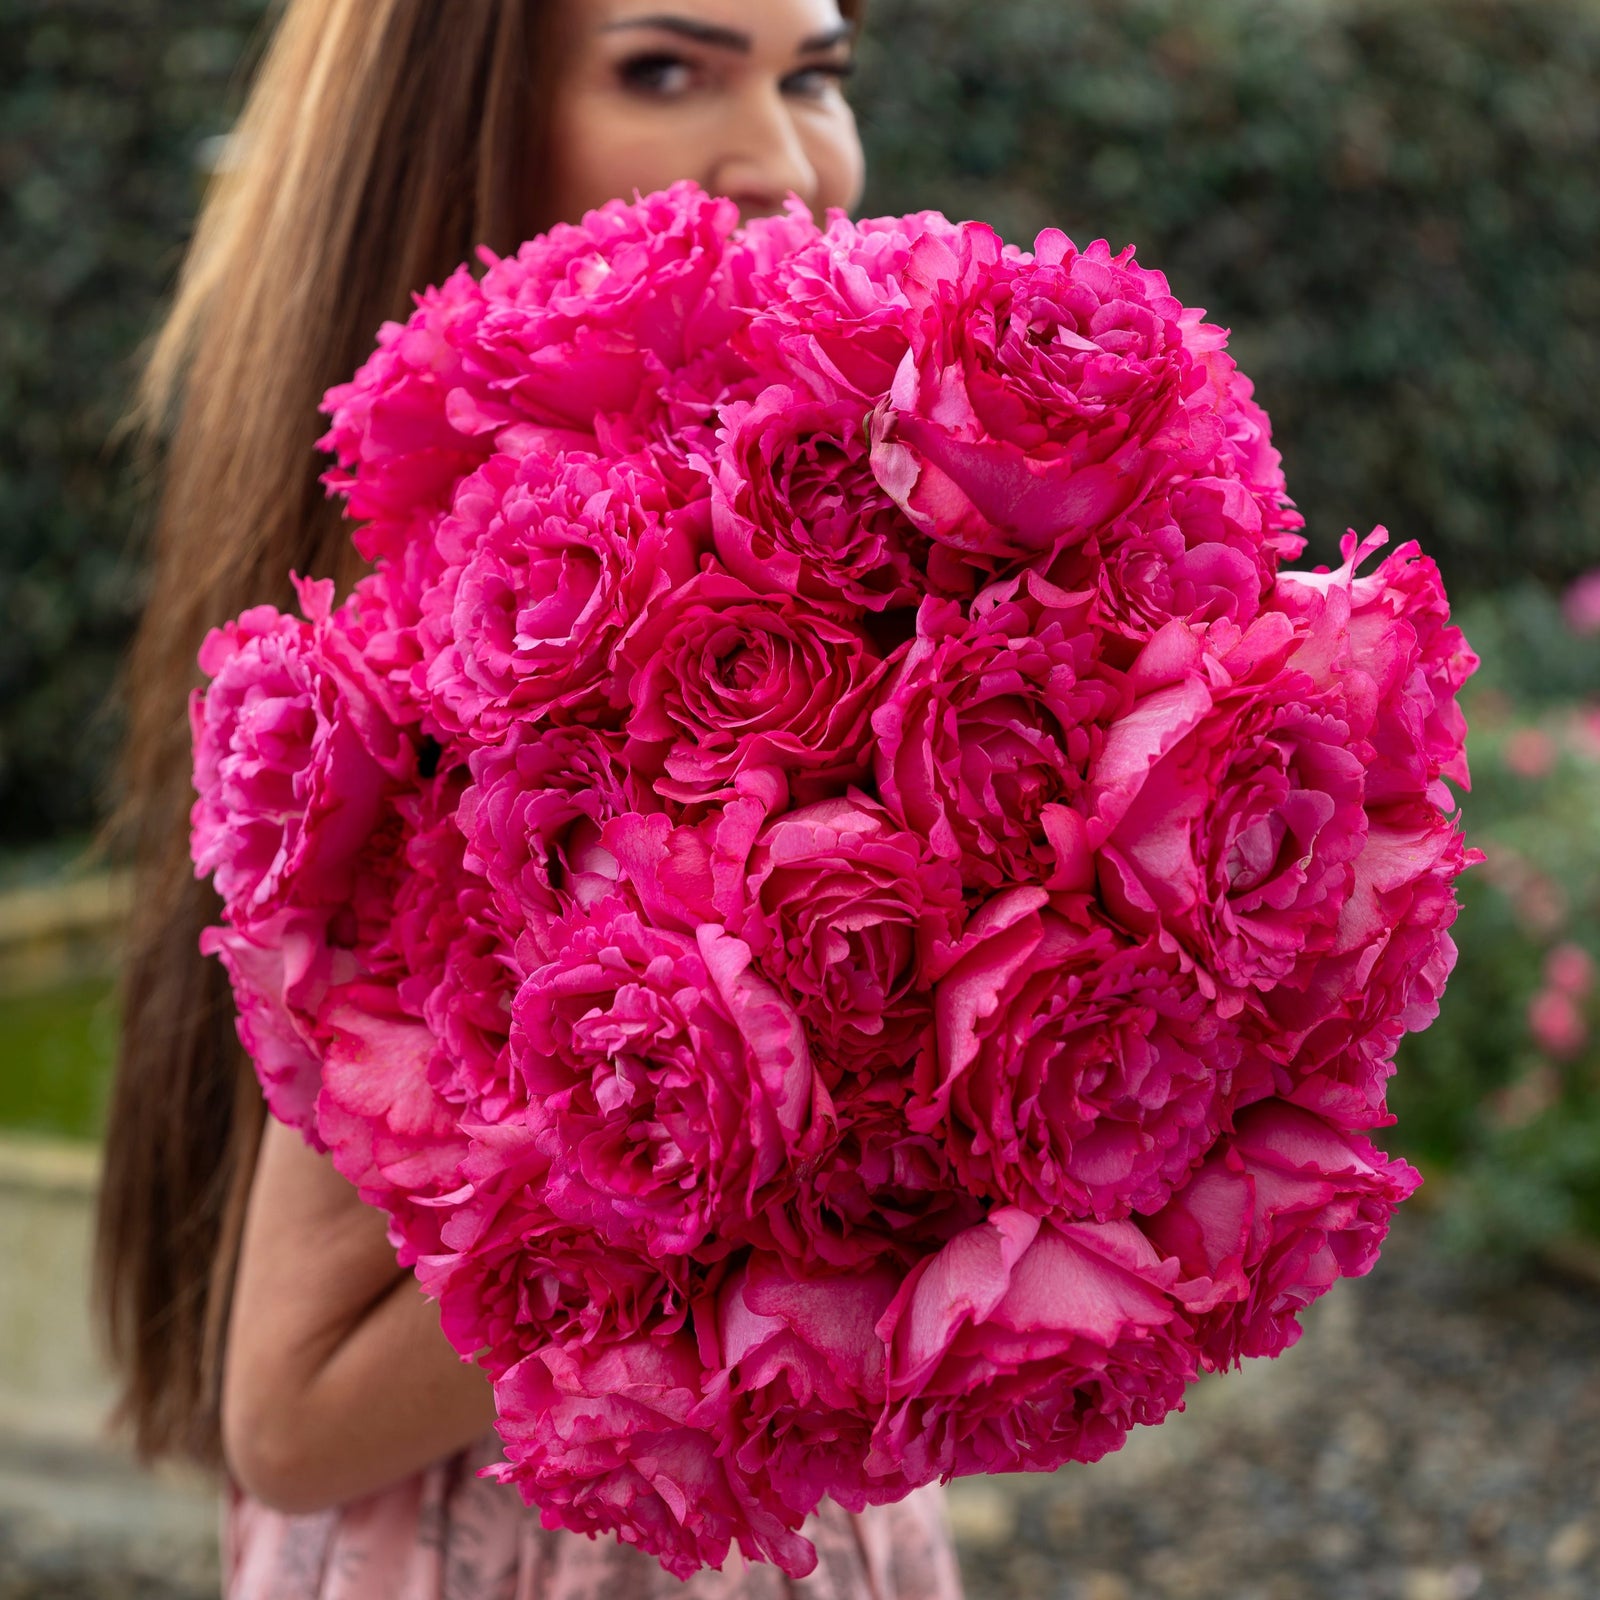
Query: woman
{"points": [[253, 1305]]}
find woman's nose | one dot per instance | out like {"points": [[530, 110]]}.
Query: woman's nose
{"points": [[764, 157]]}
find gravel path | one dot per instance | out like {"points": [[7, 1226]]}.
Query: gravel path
{"points": [[1427, 1440]]}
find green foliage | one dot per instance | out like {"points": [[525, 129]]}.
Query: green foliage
{"points": [[59, 1049], [1511, 1110], [102, 109]]}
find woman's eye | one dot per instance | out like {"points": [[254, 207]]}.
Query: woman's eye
{"points": [[658, 73], [812, 83]]}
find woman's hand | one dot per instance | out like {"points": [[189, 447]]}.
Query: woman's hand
{"points": [[338, 1379]]}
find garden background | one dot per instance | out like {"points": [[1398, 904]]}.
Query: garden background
{"points": [[1394, 204]]}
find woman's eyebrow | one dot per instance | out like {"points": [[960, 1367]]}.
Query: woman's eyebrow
{"points": [[727, 38], [843, 34], [688, 28]]}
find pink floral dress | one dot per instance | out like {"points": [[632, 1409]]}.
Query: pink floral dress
{"points": [[447, 1534]]}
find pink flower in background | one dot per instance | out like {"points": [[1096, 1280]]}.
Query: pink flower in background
{"points": [[1581, 604], [1557, 1023], [827, 880], [1530, 753], [1569, 969]]}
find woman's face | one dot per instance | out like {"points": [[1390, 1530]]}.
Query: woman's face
{"points": [[744, 96]]}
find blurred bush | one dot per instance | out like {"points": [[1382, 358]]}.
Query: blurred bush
{"points": [[103, 105]]}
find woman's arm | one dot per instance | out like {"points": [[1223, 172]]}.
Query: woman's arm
{"points": [[338, 1378]]}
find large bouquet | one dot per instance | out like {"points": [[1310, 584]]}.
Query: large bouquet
{"points": [[849, 912]]}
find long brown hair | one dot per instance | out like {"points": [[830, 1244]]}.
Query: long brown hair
{"points": [[381, 141]]}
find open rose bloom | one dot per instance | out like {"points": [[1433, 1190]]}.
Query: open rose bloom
{"points": [[852, 915]]}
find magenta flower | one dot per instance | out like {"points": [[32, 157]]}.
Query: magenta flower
{"points": [[805, 1371], [1230, 815], [797, 510], [987, 729], [1281, 1210], [288, 786], [553, 561], [827, 880], [1078, 1073], [1038, 401], [672, 1085], [1078, 1316], [618, 1440], [849, 916], [726, 680], [533, 817]]}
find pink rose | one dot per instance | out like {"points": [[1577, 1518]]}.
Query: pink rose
{"points": [[726, 680], [845, 914], [672, 1084], [551, 561], [833, 314], [390, 1132], [796, 509], [511, 1278], [288, 788], [1229, 814], [1038, 401], [1024, 1345], [1280, 1211], [1580, 605], [987, 730], [617, 1440], [881, 1191], [533, 818], [1078, 1072], [1557, 1024], [399, 455], [279, 972], [1411, 660], [1334, 1038], [1195, 552], [1569, 970], [413, 1036], [584, 322], [805, 1370]]}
